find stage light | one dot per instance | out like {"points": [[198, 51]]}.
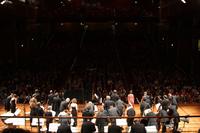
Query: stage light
{"points": [[22, 45], [135, 23], [22, 1], [5, 2], [183, 1], [82, 24], [85, 27], [136, 2]]}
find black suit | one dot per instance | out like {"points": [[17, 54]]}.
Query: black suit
{"points": [[114, 129], [138, 128], [88, 127], [152, 121], [107, 104], [56, 104], [130, 113], [48, 120], [64, 128], [143, 106], [86, 113], [101, 122], [63, 106]]}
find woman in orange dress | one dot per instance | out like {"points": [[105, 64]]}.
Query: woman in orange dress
{"points": [[131, 98]]}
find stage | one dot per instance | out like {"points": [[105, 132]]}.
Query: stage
{"points": [[186, 109]]}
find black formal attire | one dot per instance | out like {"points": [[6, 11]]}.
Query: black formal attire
{"points": [[56, 104], [48, 120], [114, 129], [130, 113], [113, 113], [114, 97], [33, 113], [143, 106], [164, 121], [40, 111], [13, 105], [152, 121], [173, 101], [64, 128], [165, 104], [138, 128], [88, 127], [87, 112], [147, 99], [74, 114], [120, 106], [63, 105], [107, 104], [7, 103], [176, 118], [50, 99], [101, 121]]}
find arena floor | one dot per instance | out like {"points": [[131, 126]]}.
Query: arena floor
{"points": [[186, 109]]}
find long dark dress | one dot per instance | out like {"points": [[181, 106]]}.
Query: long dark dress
{"points": [[13, 106]]}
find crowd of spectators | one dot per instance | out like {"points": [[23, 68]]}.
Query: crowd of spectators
{"points": [[88, 82], [67, 65]]}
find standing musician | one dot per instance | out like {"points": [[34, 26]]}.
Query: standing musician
{"points": [[13, 103], [131, 98]]}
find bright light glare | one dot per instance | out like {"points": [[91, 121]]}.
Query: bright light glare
{"points": [[6, 2], [183, 1]]}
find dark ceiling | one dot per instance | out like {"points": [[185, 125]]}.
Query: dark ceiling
{"points": [[68, 13]]}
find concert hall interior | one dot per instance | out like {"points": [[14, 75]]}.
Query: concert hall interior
{"points": [[88, 66]]}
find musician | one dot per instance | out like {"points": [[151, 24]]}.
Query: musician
{"points": [[88, 127], [13, 103], [87, 112], [33, 107], [173, 100], [176, 119], [164, 121], [74, 110], [152, 121], [7, 102], [50, 98], [131, 98], [64, 128], [56, 103], [137, 127], [143, 106], [65, 113], [64, 104], [165, 103], [113, 112], [95, 99], [48, 113], [130, 113], [108, 103], [37, 95], [147, 98], [120, 106], [101, 120], [40, 109], [113, 128], [114, 96]]}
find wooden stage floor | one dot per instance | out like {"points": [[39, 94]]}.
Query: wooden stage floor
{"points": [[186, 109]]}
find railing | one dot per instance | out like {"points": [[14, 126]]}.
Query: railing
{"points": [[187, 123]]}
